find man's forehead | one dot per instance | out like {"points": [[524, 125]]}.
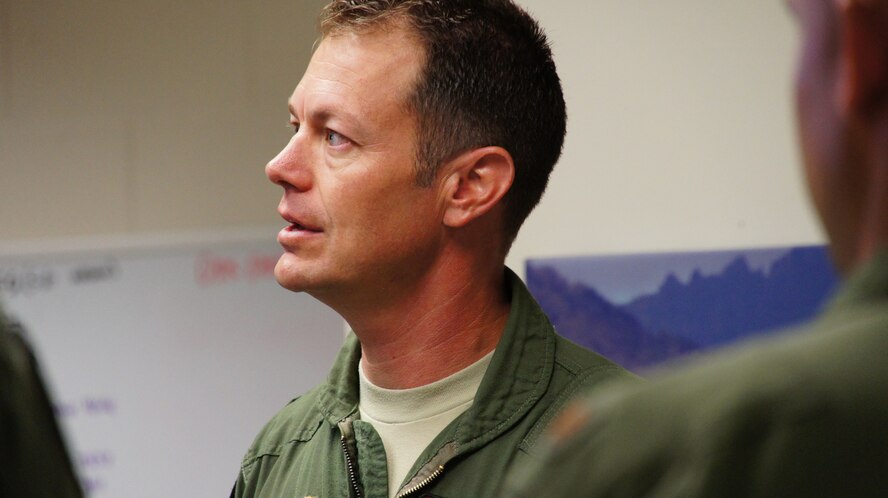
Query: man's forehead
{"points": [[322, 109], [391, 58], [357, 81]]}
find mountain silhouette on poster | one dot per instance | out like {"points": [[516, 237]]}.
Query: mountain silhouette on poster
{"points": [[582, 315], [714, 309]]}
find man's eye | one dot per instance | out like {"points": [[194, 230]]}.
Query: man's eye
{"points": [[293, 126], [335, 139]]}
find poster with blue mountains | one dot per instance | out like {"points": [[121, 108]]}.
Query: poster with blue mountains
{"points": [[643, 309]]}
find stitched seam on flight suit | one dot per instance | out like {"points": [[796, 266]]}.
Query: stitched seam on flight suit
{"points": [[521, 410], [568, 365], [301, 436], [555, 408]]}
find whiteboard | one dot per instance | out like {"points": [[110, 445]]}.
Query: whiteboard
{"points": [[165, 361]]}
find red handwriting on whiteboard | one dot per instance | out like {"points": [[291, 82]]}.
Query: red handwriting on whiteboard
{"points": [[211, 269]]}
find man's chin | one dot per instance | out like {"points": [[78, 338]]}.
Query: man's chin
{"points": [[288, 275], [290, 286]]}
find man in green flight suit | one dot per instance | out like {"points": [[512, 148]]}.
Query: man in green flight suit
{"points": [[803, 414], [424, 134]]}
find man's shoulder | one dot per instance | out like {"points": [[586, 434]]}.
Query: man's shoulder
{"points": [[296, 422], [809, 398], [810, 366], [36, 461], [821, 359]]}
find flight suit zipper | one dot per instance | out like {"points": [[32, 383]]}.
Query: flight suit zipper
{"points": [[430, 471], [349, 450], [425, 482]]}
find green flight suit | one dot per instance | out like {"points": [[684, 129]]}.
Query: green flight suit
{"points": [[801, 414], [316, 446]]}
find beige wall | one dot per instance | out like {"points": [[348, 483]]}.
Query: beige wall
{"points": [[135, 117], [680, 133]]}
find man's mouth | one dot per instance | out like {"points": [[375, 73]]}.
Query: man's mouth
{"points": [[299, 227], [297, 233]]}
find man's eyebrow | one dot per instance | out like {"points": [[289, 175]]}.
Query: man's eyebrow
{"points": [[322, 114]]}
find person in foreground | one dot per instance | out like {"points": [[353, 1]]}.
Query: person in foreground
{"points": [[424, 134], [34, 462], [804, 414]]}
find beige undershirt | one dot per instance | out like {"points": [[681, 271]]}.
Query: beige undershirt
{"points": [[407, 420]]}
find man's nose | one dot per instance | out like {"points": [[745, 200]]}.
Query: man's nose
{"points": [[292, 166]]}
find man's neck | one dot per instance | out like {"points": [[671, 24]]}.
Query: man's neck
{"points": [[440, 325]]}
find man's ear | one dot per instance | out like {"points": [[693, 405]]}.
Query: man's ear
{"points": [[478, 180], [863, 66]]}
